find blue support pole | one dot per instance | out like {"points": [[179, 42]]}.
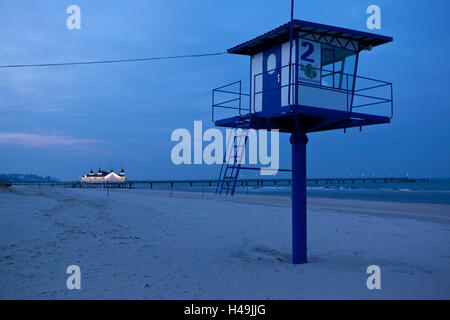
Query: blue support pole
{"points": [[291, 32], [299, 253]]}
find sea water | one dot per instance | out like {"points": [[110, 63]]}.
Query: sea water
{"points": [[432, 191]]}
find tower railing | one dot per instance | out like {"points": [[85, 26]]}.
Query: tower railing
{"points": [[352, 92], [230, 98], [356, 91]]}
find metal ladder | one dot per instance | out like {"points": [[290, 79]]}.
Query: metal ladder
{"points": [[228, 176]]}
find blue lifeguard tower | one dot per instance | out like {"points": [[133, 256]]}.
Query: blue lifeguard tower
{"points": [[303, 78]]}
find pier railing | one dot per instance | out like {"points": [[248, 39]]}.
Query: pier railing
{"points": [[212, 182]]}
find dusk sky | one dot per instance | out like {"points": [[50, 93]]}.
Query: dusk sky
{"points": [[63, 121]]}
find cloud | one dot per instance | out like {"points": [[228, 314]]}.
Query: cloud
{"points": [[35, 140]]}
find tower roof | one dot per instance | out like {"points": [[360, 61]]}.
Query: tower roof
{"points": [[366, 40]]}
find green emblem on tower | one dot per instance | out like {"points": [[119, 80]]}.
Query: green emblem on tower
{"points": [[309, 71]]}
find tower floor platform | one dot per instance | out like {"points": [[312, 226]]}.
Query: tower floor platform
{"points": [[310, 119]]}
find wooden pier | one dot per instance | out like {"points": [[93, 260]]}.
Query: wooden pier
{"points": [[131, 184]]}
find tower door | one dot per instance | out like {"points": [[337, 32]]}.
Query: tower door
{"points": [[272, 80]]}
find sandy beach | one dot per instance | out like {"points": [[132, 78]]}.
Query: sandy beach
{"points": [[143, 244]]}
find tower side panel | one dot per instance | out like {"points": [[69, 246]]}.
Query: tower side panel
{"points": [[316, 81], [285, 73], [256, 83], [323, 97]]}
